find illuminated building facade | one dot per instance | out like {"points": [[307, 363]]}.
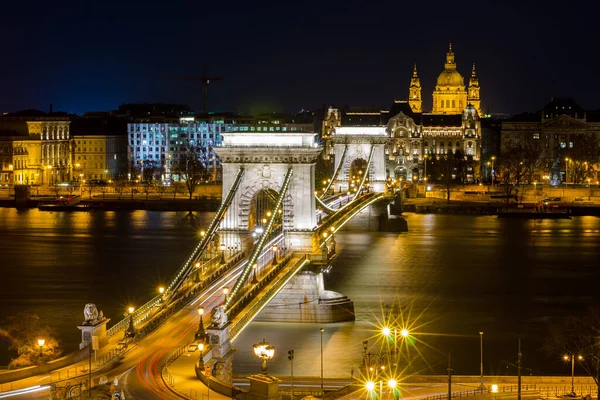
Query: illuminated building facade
{"points": [[40, 147], [556, 132], [163, 143]]}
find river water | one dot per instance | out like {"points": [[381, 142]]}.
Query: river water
{"points": [[458, 275]]}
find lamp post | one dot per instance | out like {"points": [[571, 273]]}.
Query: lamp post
{"points": [[322, 330], [493, 158], [481, 359], [572, 358], [41, 344], [291, 358], [264, 351], [225, 292], [222, 248], [567, 171], [275, 248], [200, 334], [254, 280], [130, 332]]}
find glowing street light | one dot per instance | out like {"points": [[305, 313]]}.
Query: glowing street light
{"points": [[130, 332], [41, 344], [404, 333], [370, 386], [225, 292], [571, 357], [264, 351], [200, 334], [161, 289]]}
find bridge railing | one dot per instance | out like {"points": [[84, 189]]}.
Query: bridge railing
{"points": [[274, 288], [146, 312]]}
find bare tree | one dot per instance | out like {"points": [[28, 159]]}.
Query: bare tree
{"points": [[578, 335], [175, 189], [448, 174], [583, 156], [147, 188], [103, 189], [161, 188], [192, 167], [513, 168], [533, 156], [89, 188], [119, 188]]}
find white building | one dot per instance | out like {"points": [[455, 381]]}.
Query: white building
{"points": [[160, 144]]}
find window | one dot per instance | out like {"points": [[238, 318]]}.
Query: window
{"points": [[571, 144], [536, 135], [447, 103], [563, 145], [453, 104]]}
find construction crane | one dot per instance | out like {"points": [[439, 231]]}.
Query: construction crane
{"points": [[205, 81]]}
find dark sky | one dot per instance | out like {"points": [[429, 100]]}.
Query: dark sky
{"points": [[283, 56]]}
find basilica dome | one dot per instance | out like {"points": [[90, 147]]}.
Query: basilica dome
{"points": [[450, 77]]}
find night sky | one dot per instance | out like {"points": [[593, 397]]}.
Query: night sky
{"points": [[288, 55]]}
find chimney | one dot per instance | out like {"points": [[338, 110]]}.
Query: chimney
{"points": [[50, 109]]}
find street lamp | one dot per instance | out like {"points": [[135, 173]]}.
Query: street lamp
{"points": [[322, 330], [264, 351], [275, 255], [130, 332], [481, 358], [225, 292], [161, 290], [41, 344], [567, 171], [200, 334], [572, 358], [254, 280], [222, 248]]}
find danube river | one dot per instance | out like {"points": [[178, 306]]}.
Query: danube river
{"points": [[458, 275]]}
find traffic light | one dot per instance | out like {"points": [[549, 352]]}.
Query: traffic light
{"points": [[291, 355]]}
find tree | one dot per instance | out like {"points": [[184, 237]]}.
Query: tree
{"points": [[192, 167], [161, 188], [119, 188], [147, 189], [578, 335], [103, 190], [583, 156], [448, 176], [533, 156], [148, 170], [512, 167], [24, 331]]}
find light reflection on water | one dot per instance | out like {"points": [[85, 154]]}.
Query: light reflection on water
{"points": [[509, 278]]}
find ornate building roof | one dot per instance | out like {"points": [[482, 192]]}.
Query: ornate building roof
{"points": [[450, 76]]}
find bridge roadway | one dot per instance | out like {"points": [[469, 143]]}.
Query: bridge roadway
{"points": [[140, 368], [148, 356]]}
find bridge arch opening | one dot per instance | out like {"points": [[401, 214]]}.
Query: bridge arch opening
{"points": [[262, 206], [358, 167]]}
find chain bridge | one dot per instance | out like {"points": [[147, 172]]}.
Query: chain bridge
{"points": [[272, 237]]}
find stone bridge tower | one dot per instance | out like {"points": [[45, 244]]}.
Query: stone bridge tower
{"points": [[266, 158]]}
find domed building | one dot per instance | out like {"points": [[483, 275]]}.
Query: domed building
{"points": [[450, 96]]}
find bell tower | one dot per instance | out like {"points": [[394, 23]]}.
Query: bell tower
{"points": [[473, 97], [414, 92]]}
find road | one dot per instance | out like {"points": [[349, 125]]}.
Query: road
{"points": [[139, 374]]}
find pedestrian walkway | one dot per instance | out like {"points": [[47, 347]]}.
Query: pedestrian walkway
{"points": [[180, 376]]}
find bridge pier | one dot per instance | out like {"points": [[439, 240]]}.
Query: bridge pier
{"points": [[304, 299]]}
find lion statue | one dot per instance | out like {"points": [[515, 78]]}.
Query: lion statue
{"points": [[90, 313], [219, 317]]}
